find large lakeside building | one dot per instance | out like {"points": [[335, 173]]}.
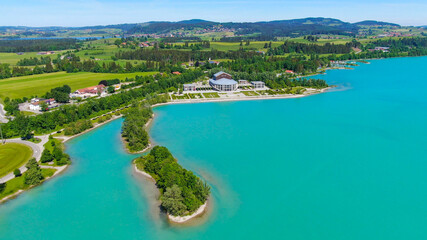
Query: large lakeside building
{"points": [[223, 82]]}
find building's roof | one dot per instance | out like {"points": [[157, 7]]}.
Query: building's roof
{"points": [[42, 101], [257, 82], [223, 81], [93, 89], [189, 85], [219, 73]]}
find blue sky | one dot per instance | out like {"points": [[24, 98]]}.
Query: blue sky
{"points": [[102, 12]]}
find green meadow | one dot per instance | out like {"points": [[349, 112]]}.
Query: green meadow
{"points": [[13, 156], [37, 85], [13, 58]]}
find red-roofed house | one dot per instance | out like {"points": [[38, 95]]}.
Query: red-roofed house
{"points": [[89, 92]]}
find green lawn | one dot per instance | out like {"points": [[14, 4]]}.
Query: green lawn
{"points": [[211, 95], [18, 183], [13, 156], [250, 93], [184, 96], [195, 95], [28, 86]]}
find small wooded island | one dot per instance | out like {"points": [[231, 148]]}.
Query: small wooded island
{"points": [[183, 195]]}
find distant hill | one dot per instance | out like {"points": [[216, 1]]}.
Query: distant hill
{"points": [[375, 23], [272, 28], [268, 29]]}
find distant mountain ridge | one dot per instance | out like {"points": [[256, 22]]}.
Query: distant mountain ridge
{"points": [[291, 27], [377, 23]]}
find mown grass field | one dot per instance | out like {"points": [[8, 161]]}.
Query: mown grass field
{"points": [[33, 85], [13, 156]]}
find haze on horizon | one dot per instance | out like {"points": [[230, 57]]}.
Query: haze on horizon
{"points": [[76, 13]]}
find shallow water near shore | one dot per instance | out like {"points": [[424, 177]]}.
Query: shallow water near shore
{"points": [[347, 164]]}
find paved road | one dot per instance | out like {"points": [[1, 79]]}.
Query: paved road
{"points": [[37, 153], [3, 118]]}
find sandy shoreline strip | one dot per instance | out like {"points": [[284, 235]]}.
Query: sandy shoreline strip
{"points": [[183, 219]]}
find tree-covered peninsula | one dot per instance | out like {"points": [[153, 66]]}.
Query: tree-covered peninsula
{"points": [[133, 129], [182, 192]]}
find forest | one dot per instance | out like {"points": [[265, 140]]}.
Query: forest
{"points": [[35, 45], [182, 192], [294, 47], [176, 56]]}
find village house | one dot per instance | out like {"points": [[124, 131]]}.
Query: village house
{"points": [[143, 45], [35, 104], [383, 49], [94, 91]]}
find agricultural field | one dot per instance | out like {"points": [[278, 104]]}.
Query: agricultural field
{"points": [[37, 85], [13, 58], [13, 156]]}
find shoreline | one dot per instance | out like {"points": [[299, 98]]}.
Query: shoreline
{"points": [[175, 219], [150, 145], [67, 138], [245, 98], [183, 219], [58, 171]]}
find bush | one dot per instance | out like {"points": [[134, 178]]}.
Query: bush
{"points": [[33, 175], [46, 156], [64, 160], [17, 173], [78, 127], [2, 187]]}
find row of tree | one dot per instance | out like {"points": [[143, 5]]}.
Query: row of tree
{"points": [[177, 56], [133, 128], [32, 61], [34, 45], [182, 192], [295, 47]]}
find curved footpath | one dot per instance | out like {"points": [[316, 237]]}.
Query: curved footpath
{"points": [[3, 118], [37, 153]]}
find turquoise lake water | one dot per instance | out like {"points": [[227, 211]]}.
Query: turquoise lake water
{"points": [[347, 164]]}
